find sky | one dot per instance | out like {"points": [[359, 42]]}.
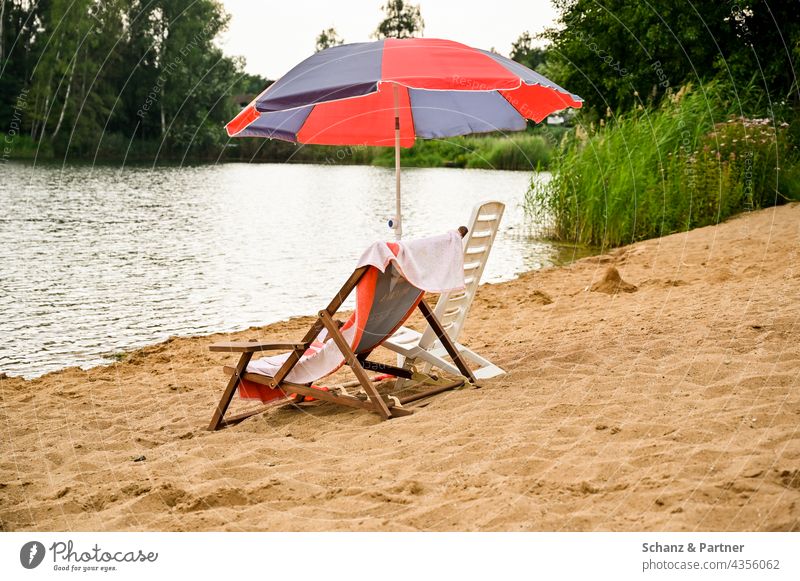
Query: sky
{"points": [[275, 36]]}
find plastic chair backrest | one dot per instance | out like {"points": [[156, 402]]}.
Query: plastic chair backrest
{"points": [[452, 308]]}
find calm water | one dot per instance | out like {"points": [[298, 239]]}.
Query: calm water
{"points": [[94, 261]]}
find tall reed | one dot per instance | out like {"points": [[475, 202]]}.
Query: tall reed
{"points": [[649, 173]]}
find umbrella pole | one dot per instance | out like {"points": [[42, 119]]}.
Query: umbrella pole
{"points": [[398, 217]]}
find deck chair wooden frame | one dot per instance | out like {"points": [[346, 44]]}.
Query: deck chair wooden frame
{"points": [[385, 407]]}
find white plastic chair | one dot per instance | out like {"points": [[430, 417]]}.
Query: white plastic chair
{"points": [[423, 349]]}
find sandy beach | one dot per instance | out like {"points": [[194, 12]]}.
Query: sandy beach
{"points": [[665, 401]]}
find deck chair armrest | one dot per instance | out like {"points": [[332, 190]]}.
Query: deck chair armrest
{"points": [[254, 347]]}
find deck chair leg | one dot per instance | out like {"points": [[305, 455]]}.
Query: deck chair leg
{"points": [[230, 389], [352, 362], [451, 349]]}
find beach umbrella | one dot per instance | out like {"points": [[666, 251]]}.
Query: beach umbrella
{"points": [[392, 91]]}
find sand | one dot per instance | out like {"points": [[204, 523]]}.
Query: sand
{"points": [[671, 407]]}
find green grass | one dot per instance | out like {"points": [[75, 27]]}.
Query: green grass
{"points": [[687, 164], [24, 147], [522, 151]]}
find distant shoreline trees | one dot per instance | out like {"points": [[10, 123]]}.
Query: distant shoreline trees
{"points": [[108, 79], [328, 38]]}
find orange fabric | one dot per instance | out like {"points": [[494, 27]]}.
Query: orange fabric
{"points": [[309, 398], [253, 390], [367, 120], [365, 295], [245, 117], [537, 102], [433, 63]]}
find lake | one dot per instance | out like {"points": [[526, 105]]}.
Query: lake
{"points": [[99, 260]]}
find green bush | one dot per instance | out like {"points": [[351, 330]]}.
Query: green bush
{"points": [[24, 147], [523, 151]]}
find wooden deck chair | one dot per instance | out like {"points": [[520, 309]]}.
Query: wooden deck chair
{"points": [[384, 300], [425, 349]]}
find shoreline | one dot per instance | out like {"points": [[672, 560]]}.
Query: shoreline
{"points": [[673, 407], [168, 162], [474, 151], [121, 355]]}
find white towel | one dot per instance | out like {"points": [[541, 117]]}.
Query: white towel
{"points": [[434, 264]]}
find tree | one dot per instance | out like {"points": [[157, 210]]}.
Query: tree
{"points": [[617, 53], [196, 78], [252, 84], [89, 78], [18, 55], [72, 84], [402, 21], [524, 53], [328, 38]]}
